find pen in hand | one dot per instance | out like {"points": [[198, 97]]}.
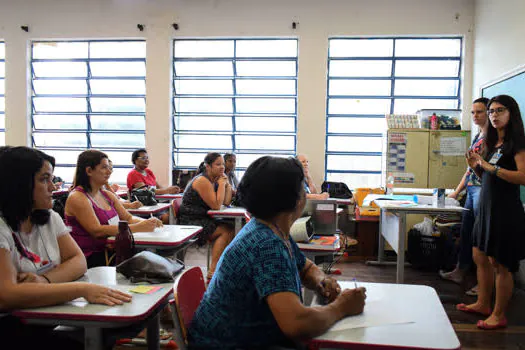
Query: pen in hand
{"points": [[355, 282]]}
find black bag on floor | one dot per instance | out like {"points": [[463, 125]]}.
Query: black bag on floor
{"points": [[425, 252], [336, 189]]}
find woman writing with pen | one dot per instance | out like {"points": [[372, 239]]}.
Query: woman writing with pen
{"points": [[93, 213], [254, 299]]}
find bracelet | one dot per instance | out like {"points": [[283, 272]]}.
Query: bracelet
{"points": [[47, 279], [496, 169]]}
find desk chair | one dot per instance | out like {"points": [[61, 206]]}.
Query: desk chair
{"points": [[175, 206], [188, 290]]}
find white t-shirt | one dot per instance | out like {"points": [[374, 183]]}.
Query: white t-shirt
{"points": [[42, 241]]}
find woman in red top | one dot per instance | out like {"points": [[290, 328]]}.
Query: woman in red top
{"points": [[142, 176]]}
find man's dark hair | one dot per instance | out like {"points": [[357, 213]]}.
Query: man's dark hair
{"points": [[136, 154]]}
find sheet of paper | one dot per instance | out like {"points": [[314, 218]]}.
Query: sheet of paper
{"points": [[363, 322], [145, 289], [378, 312], [452, 146]]}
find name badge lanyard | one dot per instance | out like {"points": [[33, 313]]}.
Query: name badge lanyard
{"points": [[495, 157], [24, 252]]}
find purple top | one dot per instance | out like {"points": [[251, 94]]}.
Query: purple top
{"points": [[87, 242]]}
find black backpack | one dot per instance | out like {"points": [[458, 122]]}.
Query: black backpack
{"points": [[336, 190], [59, 203], [144, 194]]}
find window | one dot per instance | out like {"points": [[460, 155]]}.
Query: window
{"points": [[235, 95], [2, 93], [89, 94], [368, 78]]}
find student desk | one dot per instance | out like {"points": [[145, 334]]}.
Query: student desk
{"points": [[94, 318], [59, 192], [392, 227], [166, 237], [146, 211], [238, 214], [168, 196], [312, 251], [425, 323], [418, 191]]}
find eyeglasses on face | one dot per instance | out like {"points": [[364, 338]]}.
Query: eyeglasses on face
{"points": [[497, 110], [143, 158]]}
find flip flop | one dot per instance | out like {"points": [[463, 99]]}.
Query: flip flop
{"points": [[163, 334], [484, 325], [464, 308], [472, 292]]}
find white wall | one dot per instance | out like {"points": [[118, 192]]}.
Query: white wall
{"points": [[499, 37], [93, 19]]}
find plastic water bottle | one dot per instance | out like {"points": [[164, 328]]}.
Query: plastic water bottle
{"points": [[390, 184]]}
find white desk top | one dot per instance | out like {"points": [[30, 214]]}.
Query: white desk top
{"points": [[167, 236], [151, 209], [342, 201], [169, 196], [80, 310], [419, 191], [399, 315], [391, 205], [228, 212]]}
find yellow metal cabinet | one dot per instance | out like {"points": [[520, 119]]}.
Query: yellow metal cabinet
{"points": [[424, 158], [411, 169], [446, 164]]}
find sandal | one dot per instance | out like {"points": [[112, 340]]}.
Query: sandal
{"points": [[484, 325], [472, 292], [464, 308], [163, 334]]}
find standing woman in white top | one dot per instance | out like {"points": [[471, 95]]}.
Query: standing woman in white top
{"points": [[38, 257]]}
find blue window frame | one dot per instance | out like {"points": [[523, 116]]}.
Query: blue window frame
{"points": [[2, 93], [234, 95], [89, 94], [371, 77]]}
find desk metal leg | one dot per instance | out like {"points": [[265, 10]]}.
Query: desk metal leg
{"points": [[172, 215], [93, 338], [401, 248], [380, 244], [238, 224], [152, 336]]}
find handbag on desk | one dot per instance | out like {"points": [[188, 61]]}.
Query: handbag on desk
{"points": [[144, 194], [150, 267], [336, 189]]}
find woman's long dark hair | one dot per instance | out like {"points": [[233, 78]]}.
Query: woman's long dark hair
{"points": [[514, 138], [17, 182], [209, 159], [90, 158]]}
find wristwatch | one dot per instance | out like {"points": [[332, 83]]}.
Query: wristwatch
{"points": [[496, 169]]}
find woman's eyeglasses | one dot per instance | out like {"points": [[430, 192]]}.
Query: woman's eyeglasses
{"points": [[497, 110]]}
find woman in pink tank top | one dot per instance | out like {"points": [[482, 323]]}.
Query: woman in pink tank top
{"points": [[93, 213]]}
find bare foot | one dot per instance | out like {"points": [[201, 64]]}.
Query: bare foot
{"points": [[494, 320], [475, 308]]}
